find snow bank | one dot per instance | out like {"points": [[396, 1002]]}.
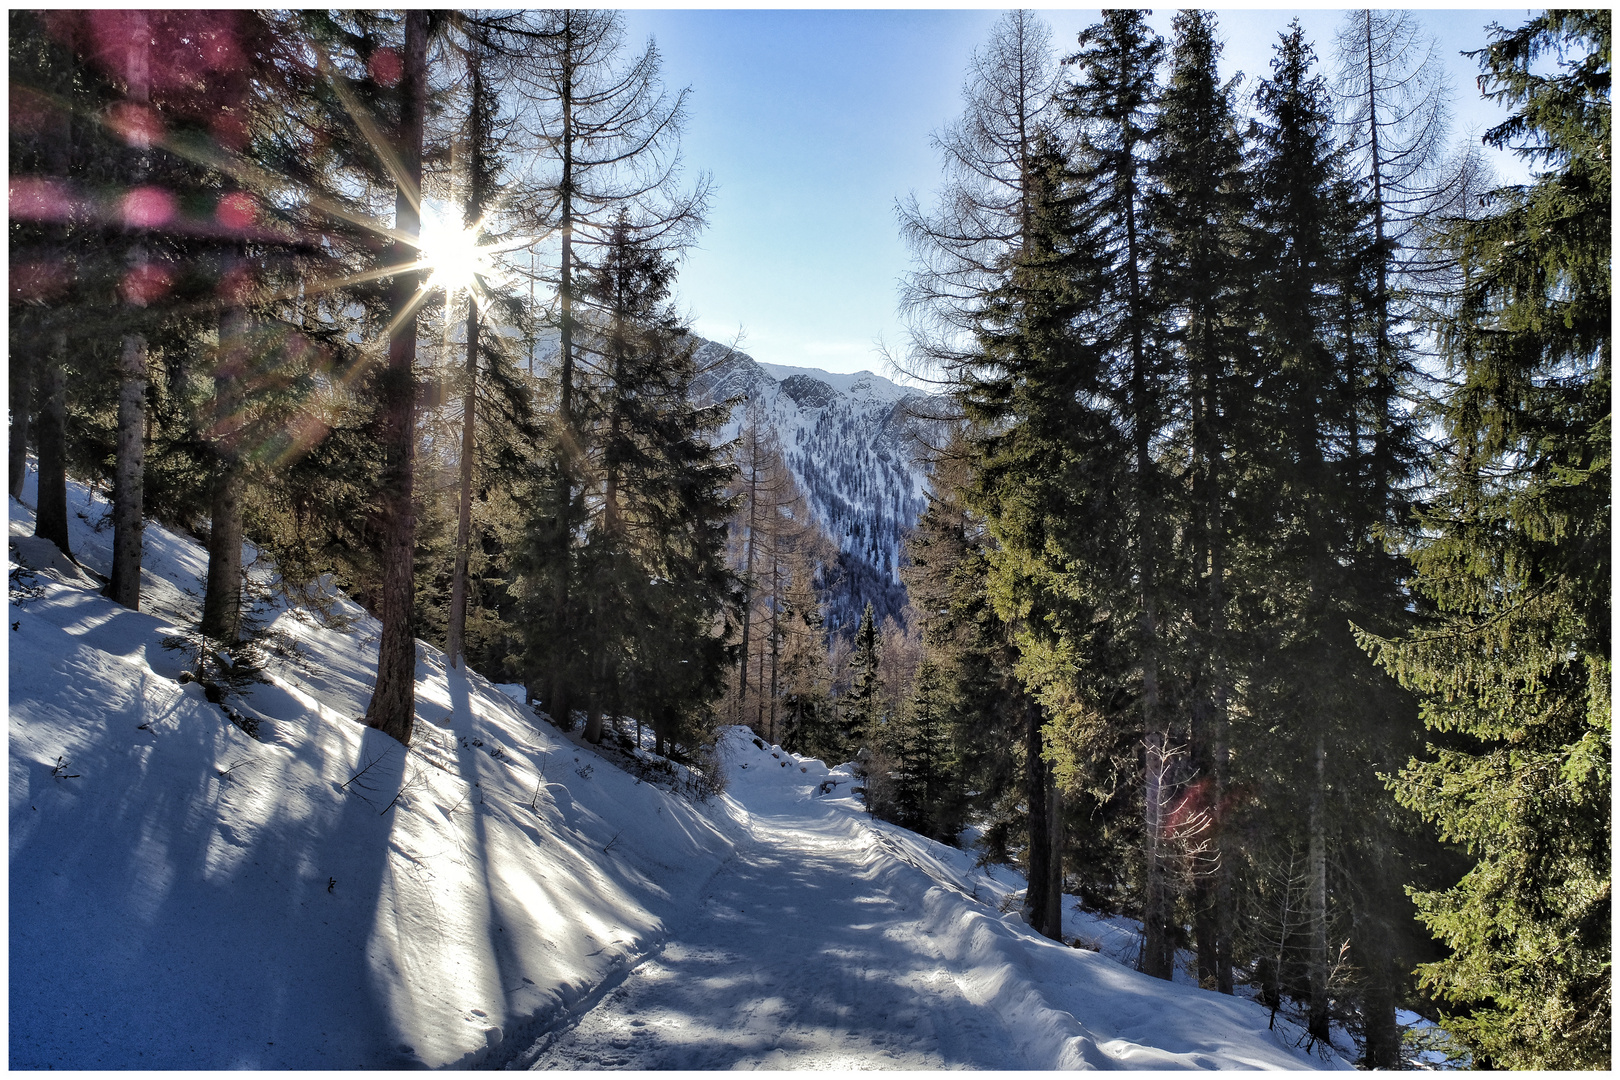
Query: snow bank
{"points": [[184, 896], [1063, 1007]]}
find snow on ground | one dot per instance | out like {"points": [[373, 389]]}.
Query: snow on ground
{"points": [[830, 940], [183, 895]]}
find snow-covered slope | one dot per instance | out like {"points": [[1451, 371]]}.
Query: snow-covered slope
{"points": [[183, 895], [855, 444]]}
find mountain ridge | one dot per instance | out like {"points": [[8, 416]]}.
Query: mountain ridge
{"points": [[856, 446]]}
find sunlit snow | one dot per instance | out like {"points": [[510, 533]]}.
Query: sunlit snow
{"points": [[185, 896]]}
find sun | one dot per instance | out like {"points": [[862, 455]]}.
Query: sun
{"points": [[452, 256]]}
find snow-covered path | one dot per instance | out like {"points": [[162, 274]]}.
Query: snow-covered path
{"points": [[830, 940], [803, 954]]}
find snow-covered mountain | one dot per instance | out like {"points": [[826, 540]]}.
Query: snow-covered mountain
{"points": [[855, 444]]}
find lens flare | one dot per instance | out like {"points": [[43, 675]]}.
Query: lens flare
{"points": [[452, 255]]}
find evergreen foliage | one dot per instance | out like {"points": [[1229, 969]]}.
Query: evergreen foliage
{"points": [[1514, 666], [862, 717], [1187, 374]]}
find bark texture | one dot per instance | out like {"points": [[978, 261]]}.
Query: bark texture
{"points": [[1043, 901], [50, 519], [393, 702], [130, 452], [22, 407], [128, 472], [1316, 915], [222, 596], [455, 645]]}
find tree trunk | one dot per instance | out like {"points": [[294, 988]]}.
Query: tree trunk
{"points": [[51, 513], [1158, 947], [456, 646], [393, 702], [1042, 910], [1316, 916], [748, 561], [130, 447], [1204, 931], [776, 657], [22, 407], [1211, 753], [595, 727], [1223, 873], [1054, 867], [1382, 1035], [472, 215], [128, 469], [1158, 950], [32, 395], [567, 444], [222, 598]]}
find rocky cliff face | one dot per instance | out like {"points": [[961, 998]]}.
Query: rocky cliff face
{"points": [[855, 444]]}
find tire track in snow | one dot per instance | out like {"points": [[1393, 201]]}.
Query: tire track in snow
{"points": [[802, 953]]}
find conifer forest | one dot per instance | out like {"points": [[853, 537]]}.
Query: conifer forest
{"points": [[1234, 560]]}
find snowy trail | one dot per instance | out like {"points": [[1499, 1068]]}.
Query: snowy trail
{"points": [[828, 940], [804, 953]]}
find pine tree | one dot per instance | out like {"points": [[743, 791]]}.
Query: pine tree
{"points": [[861, 715], [612, 136], [1114, 99], [1206, 277], [1514, 669]]}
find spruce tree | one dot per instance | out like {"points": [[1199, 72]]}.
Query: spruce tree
{"points": [[1114, 99], [46, 149], [1299, 686], [860, 711], [923, 791], [1206, 278], [1514, 666], [611, 135], [967, 644], [650, 574]]}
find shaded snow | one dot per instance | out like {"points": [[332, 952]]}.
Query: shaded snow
{"points": [[185, 896]]}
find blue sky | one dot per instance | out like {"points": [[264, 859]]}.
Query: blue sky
{"points": [[814, 122]]}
